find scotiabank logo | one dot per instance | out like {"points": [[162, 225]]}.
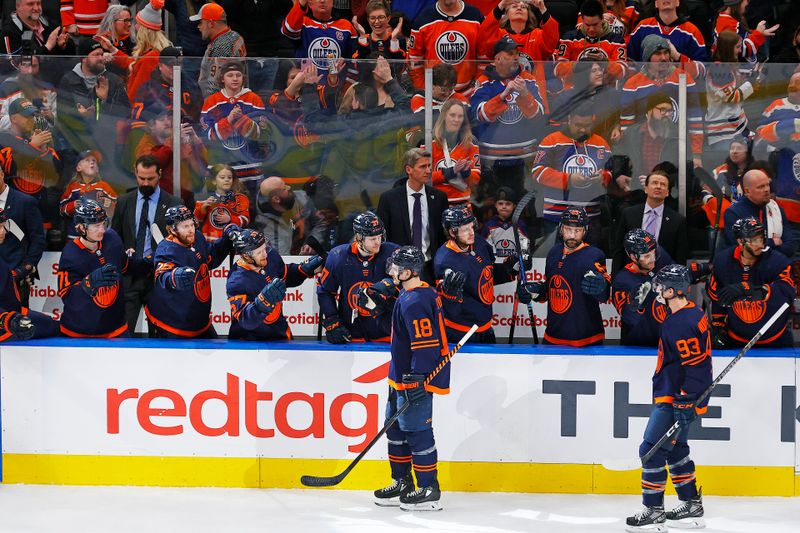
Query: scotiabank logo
{"points": [[295, 414]]}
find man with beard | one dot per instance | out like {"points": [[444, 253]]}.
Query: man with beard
{"points": [[257, 285], [274, 203], [137, 212], [749, 283], [576, 283], [223, 43], [89, 277], [349, 270], [27, 84], [632, 290], [467, 273], [180, 306]]}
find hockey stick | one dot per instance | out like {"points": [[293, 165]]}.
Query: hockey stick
{"points": [[709, 181], [318, 481], [631, 465], [521, 205]]}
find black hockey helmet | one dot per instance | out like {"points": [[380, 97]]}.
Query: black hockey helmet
{"points": [[247, 240], [367, 224], [744, 228], [456, 216], [575, 217], [676, 277], [406, 258], [638, 242], [88, 212], [177, 214]]}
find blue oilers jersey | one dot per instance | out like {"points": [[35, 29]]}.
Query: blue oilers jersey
{"points": [[101, 315], [418, 338], [499, 234]]}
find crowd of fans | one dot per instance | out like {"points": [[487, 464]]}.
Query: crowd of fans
{"points": [[295, 117]]}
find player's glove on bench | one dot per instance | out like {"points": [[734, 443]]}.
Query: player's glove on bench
{"points": [[310, 265], [230, 231], [452, 285], [593, 284], [104, 276], [640, 295], [335, 332], [272, 293], [414, 392], [375, 299], [182, 278], [740, 291], [19, 325], [683, 409], [527, 292]]}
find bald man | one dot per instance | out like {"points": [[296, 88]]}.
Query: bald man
{"points": [[757, 202], [274, 205]]}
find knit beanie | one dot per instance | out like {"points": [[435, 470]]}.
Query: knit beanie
{"points": [[652, 44], [150, 15]]}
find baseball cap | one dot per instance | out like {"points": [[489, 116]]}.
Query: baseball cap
{"points": [[231, 65], [86, 153], [86, 46], [506, 193], [505, 44], [209, 12], [22, 106]]}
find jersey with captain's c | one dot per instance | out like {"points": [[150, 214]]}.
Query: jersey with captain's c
{"points": [[101, 315], [477, 265], [499, 234], [684, 356], [744, 318], [347, 272], [639, 328], [243, 287], [185, 313], [418, 338], [573, 318]]}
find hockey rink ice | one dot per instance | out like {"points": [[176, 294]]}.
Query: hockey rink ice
{"points": [[76, 509]]}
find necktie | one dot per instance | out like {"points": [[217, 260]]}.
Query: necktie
{"points": [[416, 221], [650, 226], [141, 232]]}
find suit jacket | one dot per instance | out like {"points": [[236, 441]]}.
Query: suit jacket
{"points": [[124, 221], [393, 212], [672, 236], [24, 211]]}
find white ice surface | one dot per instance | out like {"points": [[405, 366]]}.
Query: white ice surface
{"points": [[60, 509]]}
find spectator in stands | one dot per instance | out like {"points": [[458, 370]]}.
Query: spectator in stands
{"points": [[150, 40], [320, 216], [687, 42], [757, 202], [652, 141], [456, 162], [505, 105], [378, 74], [592, 40], [227, 203], [729, 178], [86, 183], [48, 37], [382, 39], [317, 35], [731, 18], [570, 169], [115, 35], [442, 89], [186, 32], [82, 17], [274, 203], [232, 120], [223, 43], [446, 32], [498, 230], [661, 74], [27, 84], [622, 16], [780, 129], [665, 224], [160, 86], [259, 24]]}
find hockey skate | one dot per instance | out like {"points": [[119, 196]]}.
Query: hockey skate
{"points": [[422, 499], [649, 519], [688, 515], [390, 496]]}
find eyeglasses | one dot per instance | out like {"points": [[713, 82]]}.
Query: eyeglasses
{"points": [[664, 110], [379, 18], [124, 21]]}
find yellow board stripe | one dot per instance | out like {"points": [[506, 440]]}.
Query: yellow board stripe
{"points": [[453, 476]]}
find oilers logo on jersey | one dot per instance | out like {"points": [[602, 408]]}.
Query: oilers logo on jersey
{"points": [[504, 248], [452, 47], [512, 114], [580, 164], [588, 53], [749, 312], [560, 294], [322, 49], [525, 62]]}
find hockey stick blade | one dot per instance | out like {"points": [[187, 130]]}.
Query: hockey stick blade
{"points": [[629, 465], [322, 481]]}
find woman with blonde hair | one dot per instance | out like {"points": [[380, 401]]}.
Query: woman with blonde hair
{"points": [[227, 203], [455, 158]]}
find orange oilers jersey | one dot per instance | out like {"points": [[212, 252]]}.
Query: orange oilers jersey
{"points": [[85, 14], [465, 150], [418, 102], [237, 207], [438, 38], [751, 41], [535, 45], [575, 46]]}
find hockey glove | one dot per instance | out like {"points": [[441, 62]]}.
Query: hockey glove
{"points": [[414, 392], [104, 276], [309, 266], [527, 292], [641, 294], [683, 409], [230, 231], [699, 270], [335, 332], [375, 298], [19, 325], [272, 293], [182, 278], [740, 291], [593, 284], [452, 285]]}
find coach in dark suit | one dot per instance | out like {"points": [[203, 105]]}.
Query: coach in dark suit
{"points": [[653, 216], [132, 222], [412, 212]]}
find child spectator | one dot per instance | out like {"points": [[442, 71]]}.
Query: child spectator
{"points": [[227, 203]]}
